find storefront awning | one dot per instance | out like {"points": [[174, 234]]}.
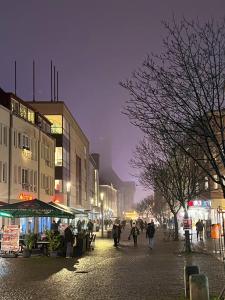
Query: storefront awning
{"points": [[70, 210], [33, 208]]}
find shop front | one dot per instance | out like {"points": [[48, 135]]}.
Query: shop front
{"points": [[199, 210]]}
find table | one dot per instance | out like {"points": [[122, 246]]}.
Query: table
{"points": [[44, 246]]}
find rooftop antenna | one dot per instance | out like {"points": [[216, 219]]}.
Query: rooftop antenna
{"points": [[57, 86], [15, 75], [54, 84], [51, 82], [33, 81]]}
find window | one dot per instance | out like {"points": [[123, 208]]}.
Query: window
{"points": [[215, 184], [58, 186], [19, 140], [206, 183], [25, 180], [4, 172], [58, 156], [78, 180], [15, 138], [31, 180], [15, 106], [5, 136], [35, 181], [0, 171], [56, 121], [30, 116], [19, 175], [23, 111], [15, 174]]}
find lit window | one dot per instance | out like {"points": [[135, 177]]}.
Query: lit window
{"points": [[23, 111], [58, 156], [56, 121], [30, 116]]}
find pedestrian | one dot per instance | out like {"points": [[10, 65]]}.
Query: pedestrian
{"points": [[134, 233], [150, 232], [90, 227], [115, 234], [69, 239], [55, 226], [79, 226], [141, 225], [119, 233], [199, 229]]}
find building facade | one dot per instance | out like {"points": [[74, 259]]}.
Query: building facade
{"points": [[71, 155], [26, 150]]}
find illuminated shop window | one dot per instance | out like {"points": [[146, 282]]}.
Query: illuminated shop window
{"points": [[58, 156], [58, 186], [15, 106], [56, 121]]}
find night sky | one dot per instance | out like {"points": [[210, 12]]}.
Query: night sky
{"points": [[94, 44]]}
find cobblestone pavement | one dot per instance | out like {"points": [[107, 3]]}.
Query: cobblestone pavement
{"points": [[108, 273]]}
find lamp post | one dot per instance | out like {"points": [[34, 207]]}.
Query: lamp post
{"points": [[101, 198]]}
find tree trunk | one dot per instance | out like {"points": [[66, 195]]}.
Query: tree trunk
{"points": [[176, 233], [187, 235]]}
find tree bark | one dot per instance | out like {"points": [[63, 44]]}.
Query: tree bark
{"points": [[187, 236], [176, 233]]}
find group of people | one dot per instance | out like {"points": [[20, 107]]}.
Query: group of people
{"points": [[136, 227]]}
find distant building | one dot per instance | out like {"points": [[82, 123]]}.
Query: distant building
{"points": [[94, 185], [110, 201], [26, 153], [71, 155]]}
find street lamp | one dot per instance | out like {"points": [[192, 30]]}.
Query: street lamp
{"points": [[101, 198]]}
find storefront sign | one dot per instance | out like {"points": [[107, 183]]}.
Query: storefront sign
{"points": [[23, 196], [187, 223], [10, 238], [199, 203]]}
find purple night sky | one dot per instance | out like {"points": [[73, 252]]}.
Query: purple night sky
{"points": [[94, 44]]}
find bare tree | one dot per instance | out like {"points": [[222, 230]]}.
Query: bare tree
{"points": [[180, 94], [170, 172], [151, 207]]}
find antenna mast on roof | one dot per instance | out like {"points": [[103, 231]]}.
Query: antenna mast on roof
{"points": [[15, 75], [57, 86], [54, 84], [51, 81], [33, 81]]}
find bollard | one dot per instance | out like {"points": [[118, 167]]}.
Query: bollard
{"points": [[199, 287], [189, 270]]}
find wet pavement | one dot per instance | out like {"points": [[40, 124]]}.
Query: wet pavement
{"points": [[108, 273]]}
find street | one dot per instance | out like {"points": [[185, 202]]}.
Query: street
{"points": [[108, 273]]}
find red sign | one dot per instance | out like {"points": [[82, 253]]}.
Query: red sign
{"points": [[187, 223]]}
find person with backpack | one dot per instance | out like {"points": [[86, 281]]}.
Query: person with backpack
{"points": [[134, 233], [150, 232]]}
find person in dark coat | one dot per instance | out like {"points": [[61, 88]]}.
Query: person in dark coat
{"points": [[119, 232], [150, 232], [115, 234], [69, 241], [134, 233]]}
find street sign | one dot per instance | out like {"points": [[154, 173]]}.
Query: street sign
{"points": [[187, 222]]}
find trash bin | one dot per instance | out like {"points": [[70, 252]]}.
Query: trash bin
{"points": [[109, 234]]}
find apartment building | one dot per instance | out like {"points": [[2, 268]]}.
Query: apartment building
{"points": [[26, 152]]}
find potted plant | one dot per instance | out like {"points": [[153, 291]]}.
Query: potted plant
{"points": [[29, 243], [54, 242]]}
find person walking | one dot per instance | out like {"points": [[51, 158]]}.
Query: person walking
{"points": [[115, 234], [68, 235], [134, 233], [199, 229], [150, 232], [90, 227], [119, 233]]}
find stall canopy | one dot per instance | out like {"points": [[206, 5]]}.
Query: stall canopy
{"points": [[34, 208], [68, 209]]}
